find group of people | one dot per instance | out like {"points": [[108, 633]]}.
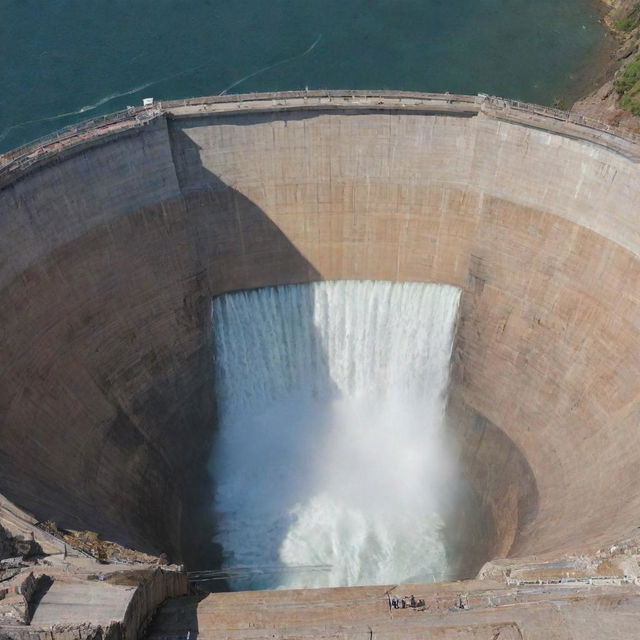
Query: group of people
{"points": [[404, 602]]}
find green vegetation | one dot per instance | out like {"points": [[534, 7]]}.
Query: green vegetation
{"points": [[631, 21], [628, 86]]}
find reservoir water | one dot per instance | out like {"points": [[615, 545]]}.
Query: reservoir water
{"points": [[68, 60]]}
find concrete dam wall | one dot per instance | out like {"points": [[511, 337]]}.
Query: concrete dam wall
{"points": [[111, 251]]}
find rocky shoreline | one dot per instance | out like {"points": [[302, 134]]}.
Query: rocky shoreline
{"points": [[617, 100]]}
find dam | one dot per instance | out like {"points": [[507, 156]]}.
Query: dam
{"points": [[116, 237]]}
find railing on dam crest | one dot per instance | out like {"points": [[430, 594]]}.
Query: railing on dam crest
{"points": [[15, 161], [85, 133]]}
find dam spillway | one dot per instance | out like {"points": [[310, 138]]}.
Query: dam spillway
{"points": [[310, 380], [113, 247]]}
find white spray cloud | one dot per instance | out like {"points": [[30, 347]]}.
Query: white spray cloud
{"points": [[330, 449]]}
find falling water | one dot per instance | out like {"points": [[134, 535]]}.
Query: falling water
{"points": [[330, 453]]}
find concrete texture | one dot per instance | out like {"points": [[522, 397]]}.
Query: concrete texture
{"points": [[51, 589], [492, 612], [67, 602], [109, 256]]}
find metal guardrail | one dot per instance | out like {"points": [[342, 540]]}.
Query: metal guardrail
{"points": [[479, 100], [331, 94], [16, 160], [592, 580], [234, 573], [66, 132], [20, 158], [562, 116]]}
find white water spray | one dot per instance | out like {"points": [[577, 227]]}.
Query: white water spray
{"points": [[330, 449]]}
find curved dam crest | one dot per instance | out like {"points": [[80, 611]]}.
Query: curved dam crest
{"points": [[331, 451]]}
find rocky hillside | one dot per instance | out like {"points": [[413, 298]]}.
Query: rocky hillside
{"points": [[617, 101]]}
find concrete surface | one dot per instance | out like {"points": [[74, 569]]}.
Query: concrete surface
{"points": [[78, 602], [479, 610], [110, 254], [74, 596]]}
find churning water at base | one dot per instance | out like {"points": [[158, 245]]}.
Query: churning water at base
{"points": [[331, 466]]}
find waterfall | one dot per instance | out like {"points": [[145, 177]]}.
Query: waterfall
{"points": [[330, 464]]}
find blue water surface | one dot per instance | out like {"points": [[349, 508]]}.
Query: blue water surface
{"points": [[68, 60]]}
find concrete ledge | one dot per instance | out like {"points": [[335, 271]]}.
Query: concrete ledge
{"points": [[561, 602], [66, 593], [78, 137]]}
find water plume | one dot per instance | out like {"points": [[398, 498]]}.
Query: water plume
{"points": [[330, 451]]}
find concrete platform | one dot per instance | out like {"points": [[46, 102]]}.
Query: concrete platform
{"points": [[99, 603], [563, 612]]}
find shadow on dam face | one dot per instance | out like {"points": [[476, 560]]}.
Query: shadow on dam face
{"points": [[110, 256], [108, 402]]}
